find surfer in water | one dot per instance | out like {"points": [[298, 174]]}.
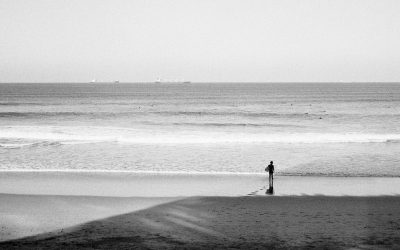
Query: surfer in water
{"points": [[270, 169]]}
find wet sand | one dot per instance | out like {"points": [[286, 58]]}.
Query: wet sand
{"points": [[247, 222], [130, 184]]}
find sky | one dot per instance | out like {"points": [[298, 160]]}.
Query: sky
{"points": [[199, 40]]}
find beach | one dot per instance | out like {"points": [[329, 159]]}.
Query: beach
{"points": [[215, 222], [192, 124], [152, 166], [35, 214]]}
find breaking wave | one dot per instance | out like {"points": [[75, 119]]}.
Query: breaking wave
{"points": [[92, 134]]}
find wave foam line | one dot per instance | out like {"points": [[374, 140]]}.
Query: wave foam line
{"points": [[193, 173], [74, 135]]}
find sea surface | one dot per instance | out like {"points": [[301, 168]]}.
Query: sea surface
{"points": [[329, 129]]}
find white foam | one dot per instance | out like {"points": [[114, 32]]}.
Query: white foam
{"points": [[14, 145], [91, 134]]}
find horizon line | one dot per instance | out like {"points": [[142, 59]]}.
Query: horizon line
{"points": [[192, 82]]}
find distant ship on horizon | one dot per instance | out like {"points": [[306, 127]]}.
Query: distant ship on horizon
{"points": [[95, 81], [159, 80]]}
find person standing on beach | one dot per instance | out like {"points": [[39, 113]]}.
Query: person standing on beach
{"points": [[270, 169]]}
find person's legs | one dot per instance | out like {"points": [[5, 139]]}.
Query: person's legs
{"points": [[270, 180]]}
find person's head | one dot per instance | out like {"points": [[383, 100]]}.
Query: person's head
{"points": [[271, 162]]}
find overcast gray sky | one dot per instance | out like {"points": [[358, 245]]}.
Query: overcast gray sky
{"points": [[199, 40]]}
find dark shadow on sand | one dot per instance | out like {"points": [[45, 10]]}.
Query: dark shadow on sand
{"points": [[238, 222]]}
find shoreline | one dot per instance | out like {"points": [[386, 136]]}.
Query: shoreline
{"points": [[123, 184]]}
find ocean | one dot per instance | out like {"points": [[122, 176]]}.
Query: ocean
{"points": [[322, 129]]}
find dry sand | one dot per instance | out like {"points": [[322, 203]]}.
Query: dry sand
{"points": [[27, 215], [246, 222]]}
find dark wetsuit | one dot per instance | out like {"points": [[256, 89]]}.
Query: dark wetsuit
{"points": [[271, 174]]}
